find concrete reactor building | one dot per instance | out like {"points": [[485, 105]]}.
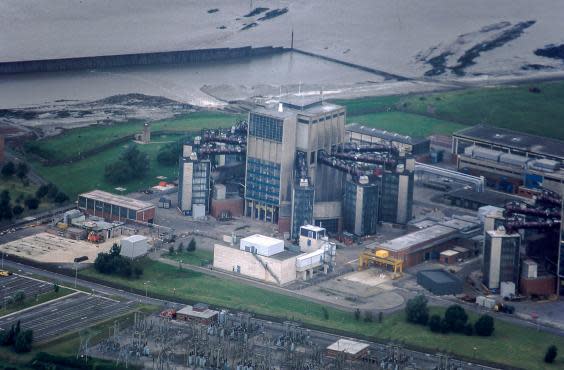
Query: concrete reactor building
{"points": [[300, 168]]}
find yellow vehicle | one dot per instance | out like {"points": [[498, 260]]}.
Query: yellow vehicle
{"points": [[5, 273]]}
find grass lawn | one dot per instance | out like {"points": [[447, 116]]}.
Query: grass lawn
{"points": [[88, 173], [32, 301], [72, 142], [511, 345], [407, 123], [198, 257]]}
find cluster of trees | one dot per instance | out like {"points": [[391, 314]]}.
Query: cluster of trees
{"points": [[368, 316], [168, 155], [20, 340], [455, 319], [9, 211], [131, 164], [113, 263], [51, 192], [191, 247], [20, 170]]}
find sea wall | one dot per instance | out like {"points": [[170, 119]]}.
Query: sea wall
{"points": [[126, 60]]}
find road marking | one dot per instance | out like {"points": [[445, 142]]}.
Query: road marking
{"points": [[351, 261]]}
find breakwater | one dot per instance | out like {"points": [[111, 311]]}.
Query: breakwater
{"points": [[126, 60]]}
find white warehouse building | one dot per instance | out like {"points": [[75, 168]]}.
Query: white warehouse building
{"points": [[264, 258]]}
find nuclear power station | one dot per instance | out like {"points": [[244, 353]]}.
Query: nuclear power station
{"points": [[292, 164]]}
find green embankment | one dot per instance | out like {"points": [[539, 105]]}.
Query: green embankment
{"points": [[198, 257], [73, 142], [511, 344]]}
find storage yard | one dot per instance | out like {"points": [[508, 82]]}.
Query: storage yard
{"points": [[48, 248]]}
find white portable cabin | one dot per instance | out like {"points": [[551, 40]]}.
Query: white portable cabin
{"points": [[261, 245], [134, 246]]}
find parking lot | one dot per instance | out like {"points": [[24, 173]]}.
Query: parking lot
{"points": [[9, 285], [73, 312]]}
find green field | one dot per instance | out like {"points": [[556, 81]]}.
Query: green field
{"points": [[73, 142], [198, 257], [512, 345], [88, 173], [513, 107]]}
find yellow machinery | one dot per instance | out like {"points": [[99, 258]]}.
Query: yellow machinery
{"points": [[380, 258], [5, 273]]}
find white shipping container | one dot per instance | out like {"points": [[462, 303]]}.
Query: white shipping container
{"points": [[507, 289], [308, 260]]}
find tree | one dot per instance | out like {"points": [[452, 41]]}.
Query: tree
{"points": [[357, 314], [23, 341], [8, 169], [19, 297], [380, 317], [551, 354], [22, 170], [168, 155], [32, 203], [17, 210], [56, 288], [5, 206], [171, 249], [417, 311], [132, 164], [60, 197], [42, 191], [484, 326], [435, 323], [52, 191], [456, 318], [180, 248], [368, 316], [191, 246], [325, 313]]}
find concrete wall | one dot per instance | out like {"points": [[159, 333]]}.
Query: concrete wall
{"points": [[233, 205], [228, 258], [124, 60]]}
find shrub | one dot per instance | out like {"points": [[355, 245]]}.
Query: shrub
{"points": [[357, 314], [368, 316], [468, 329], [17, 210], [56, 288], [456, 318], [484, 326], [191, 246], [23, 341], [180, 248], [435, 323], [42, 191], [9, 169], [417, 311], [325, 313], [551, 354], [19, 297], [32, 203], [171, 249]]}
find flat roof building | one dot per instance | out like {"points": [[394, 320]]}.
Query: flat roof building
{"points": [[116, 207], [350, 348], [199, 312], [439, 282], [358, 133]]}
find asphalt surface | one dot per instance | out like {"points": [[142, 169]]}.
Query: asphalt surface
{"points": [[73, 312], [9, 285]]}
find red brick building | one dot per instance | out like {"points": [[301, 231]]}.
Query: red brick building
{"points": [[232, 207], [116, 207]]}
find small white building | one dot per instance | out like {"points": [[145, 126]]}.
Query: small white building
{"points": [[134, 246]]}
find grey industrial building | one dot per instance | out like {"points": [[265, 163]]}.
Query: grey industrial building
{"points": [[439, 282], [358, 133], [300, 169], [501, 258], [509, 159]]}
